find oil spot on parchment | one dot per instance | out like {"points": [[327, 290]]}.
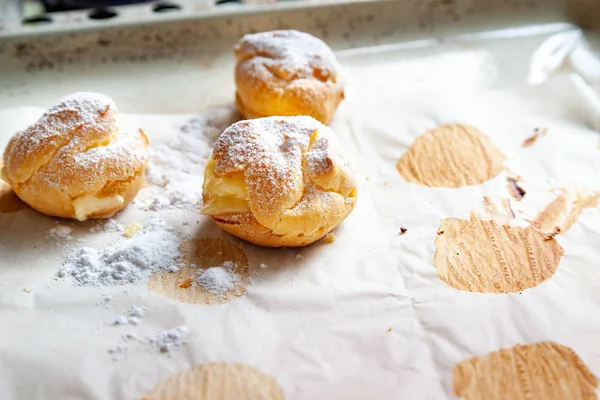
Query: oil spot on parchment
{"points": [[201, 254], [545, 370], [9, 201], [223, 381], [560, 215], [483, 256], [451, 156]]}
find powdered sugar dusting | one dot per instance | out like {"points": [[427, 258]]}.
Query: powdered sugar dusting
{"points": [[110, 225], [61, 232], [90, 113], [289, 54], [81, 172], [175, 171], [130, 262], [272, 152], [77, 148], [170, 339]]}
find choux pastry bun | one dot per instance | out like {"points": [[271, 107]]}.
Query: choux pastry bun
{"points": [[76, 161], [286, 73], [278, 181]]}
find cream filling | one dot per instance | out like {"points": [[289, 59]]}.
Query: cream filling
{"points": [[224, 194], [90, 204]]}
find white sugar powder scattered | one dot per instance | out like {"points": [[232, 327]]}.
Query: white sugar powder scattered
{"points": [[137, 312], [130, 262], [130, 336], [298, 256], [117, 350], [155, 224], [170, 339], [218, 280], [133, 317], [60, 232], [122, 320], [263, 265], [108, 226], [175, 171]]}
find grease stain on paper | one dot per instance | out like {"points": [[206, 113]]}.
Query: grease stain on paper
{"points": [[483, 256], [223, 381], [451, 156], [201, 254], [545, 370], [560, 215]]}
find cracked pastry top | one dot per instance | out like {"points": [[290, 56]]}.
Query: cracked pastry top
{"points": [[278, 181], [286, 73], [76, 161]]}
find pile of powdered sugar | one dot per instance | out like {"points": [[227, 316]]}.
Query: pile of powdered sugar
{"points": [[175, 170], [131, 261], [218, 280]]}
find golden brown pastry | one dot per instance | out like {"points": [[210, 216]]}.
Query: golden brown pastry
{"points": [[286, 73], [278, 181], [75, 161]]}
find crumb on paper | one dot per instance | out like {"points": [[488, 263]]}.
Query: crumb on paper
{"points": [[132, 229], [187, 282], [390, 329], [263, 265], [298, 256], [540, 131], [530, 141], [403, 230], [367, 178], [27, 290], [516, 191], [440, 232], [329, 238]]}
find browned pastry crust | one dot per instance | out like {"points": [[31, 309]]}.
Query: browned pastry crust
{"points": [[75, 161], [286, 73], [278, 181]]}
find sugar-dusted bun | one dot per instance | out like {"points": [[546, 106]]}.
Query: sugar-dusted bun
{"points": [[75, 161], [278, 181], [286, 73]]}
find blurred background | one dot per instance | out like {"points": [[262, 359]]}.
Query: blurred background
{"points": [[36, 12]]}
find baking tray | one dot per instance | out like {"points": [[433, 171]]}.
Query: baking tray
{"points": [[181, 57], [182, 65]]}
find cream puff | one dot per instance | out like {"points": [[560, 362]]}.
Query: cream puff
{"points": [[76, 161], [286, 73], [278, 181]]}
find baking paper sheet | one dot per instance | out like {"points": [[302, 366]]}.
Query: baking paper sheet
{"points": [[365, 317]]}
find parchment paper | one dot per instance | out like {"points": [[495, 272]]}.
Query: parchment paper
{"points": [[320, 325]]}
